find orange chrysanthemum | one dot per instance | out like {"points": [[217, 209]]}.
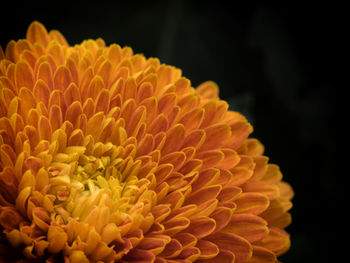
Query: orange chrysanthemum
{"points": [[109, 156]]}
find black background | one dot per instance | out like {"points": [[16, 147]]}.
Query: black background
{"points": [[275, 63]]}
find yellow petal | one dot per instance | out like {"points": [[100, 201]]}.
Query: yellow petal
{"points": [[78, 256], [57, 239]]}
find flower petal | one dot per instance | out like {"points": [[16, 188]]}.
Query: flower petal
{"points": [[239, 246], [208, 249], [37, 34], [262, 255], [276, 241], [201, 227], [254, 203], [251, 227], [62, 78]]}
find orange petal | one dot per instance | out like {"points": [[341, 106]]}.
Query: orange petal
{"points": [[253, 147], [174, 139], [105, 71], [29, 57], [151, 105], [286, 191], [56, 98], [2, 54], [160, 212], [240, 247], [114, 54], [37, 33], [208, 249], [240, 175], [11, 52], [27, 100], [94, 124], [44, 128], [191, 166], [273, 174], [76, 138], [55, 117], [166, 103], [56, 35], [206, 208], [184, 211], [231, 159], [85, 82], [254, 203], [224, 256], [251, 227], [177, 159], [194, 139], [41, 92], [228, 194], [128, 109], [188, 102], [175, 199], [192, 119], [139, 255], [44, 73], [62, 78], [239, 132], [144, 91], [189, 254], [8, 156], [270, 190], [260, 167], [210, 111], [186, 239], [153, 244], [23, 75], [222, 216], [172, 249], [204, 194], [175, 225], [159, 124], [71, 94], [163, 171], [145, 145], [130, 88], [276, 241], [137, 119], [210, 158], [216, 135], [73, 112], [102, 101], [201, 227], [208, 90], [262, 255], [206, 177], [89, 108], [276, 215]]}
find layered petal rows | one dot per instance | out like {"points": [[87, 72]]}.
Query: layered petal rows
{"points": [[109, 156]]}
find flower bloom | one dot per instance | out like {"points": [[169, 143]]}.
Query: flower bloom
{"points": [[109, 156]]}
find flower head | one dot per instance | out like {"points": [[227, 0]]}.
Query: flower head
{"points": [[109, 156]]}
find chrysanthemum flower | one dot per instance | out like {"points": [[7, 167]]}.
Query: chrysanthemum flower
{"points": [[109, 156]]}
